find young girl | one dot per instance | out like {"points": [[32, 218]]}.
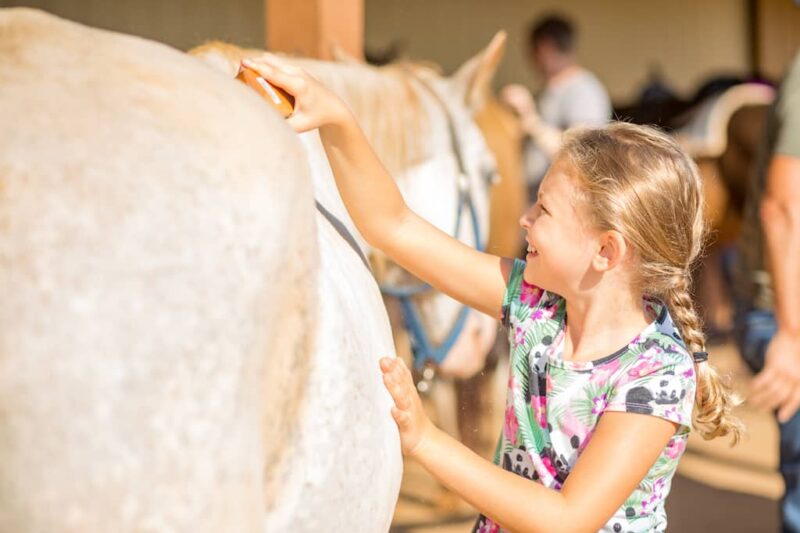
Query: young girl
{"points": [[602, 384]]}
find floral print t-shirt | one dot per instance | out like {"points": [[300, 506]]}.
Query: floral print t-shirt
{"points": [[554, 405]]}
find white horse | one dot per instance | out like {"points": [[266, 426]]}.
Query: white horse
{"points": [[173, 303], [181, 347], [422, 127]]}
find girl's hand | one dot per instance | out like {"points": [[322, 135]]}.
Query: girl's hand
{"points": [[408, 414], [314, 104]]}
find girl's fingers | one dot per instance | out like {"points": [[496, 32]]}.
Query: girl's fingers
{"points": [[279, 62], [276, 67], [300, 123], [397, 390], [398, 383], [294, 84], [401, 417]]}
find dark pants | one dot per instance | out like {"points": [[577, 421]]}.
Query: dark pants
{"points": [[754, 330]]}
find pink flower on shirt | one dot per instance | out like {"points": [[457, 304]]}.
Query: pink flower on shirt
{"points": [[675, 448], [548, 465], [488, 527], [539, 410], [673, 414], [519, 336], [656, 496], [530, 294], [511, 425], [602, 373], [646, 365], [599, 404]]}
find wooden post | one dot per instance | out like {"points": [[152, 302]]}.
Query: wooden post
{"points": [[313, 27], [778, 38]]}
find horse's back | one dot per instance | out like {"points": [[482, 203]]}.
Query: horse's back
{"points": [[155, 265], [345, 464]]}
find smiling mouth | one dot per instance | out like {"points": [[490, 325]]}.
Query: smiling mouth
{"points": [[532, 252]]}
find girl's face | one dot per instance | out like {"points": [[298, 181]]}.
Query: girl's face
{"points": [[561, 244]]}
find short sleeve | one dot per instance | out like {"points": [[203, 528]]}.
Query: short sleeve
{"points": [[661, 383], [513, 289]]}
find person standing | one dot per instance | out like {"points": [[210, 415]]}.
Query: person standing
{"points": [[570, 96], [767, 287]]}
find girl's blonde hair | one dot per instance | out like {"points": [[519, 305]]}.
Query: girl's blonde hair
{"points": [[637, 181]]}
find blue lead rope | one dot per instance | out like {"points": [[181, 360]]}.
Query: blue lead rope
{"points": [[421, 346]]}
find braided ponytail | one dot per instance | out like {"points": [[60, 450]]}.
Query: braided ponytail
{"points": [[714, 401], [638, 181]]}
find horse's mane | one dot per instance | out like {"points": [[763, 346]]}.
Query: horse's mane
{"points": [[383, 99]]}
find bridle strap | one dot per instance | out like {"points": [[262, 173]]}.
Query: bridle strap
{"points": [[423, 349]]}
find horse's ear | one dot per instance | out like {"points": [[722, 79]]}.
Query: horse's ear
{"points": [[475, 76], [340, 56]]}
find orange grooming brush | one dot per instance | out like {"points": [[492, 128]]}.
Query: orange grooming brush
{"points": [[282, 101]]}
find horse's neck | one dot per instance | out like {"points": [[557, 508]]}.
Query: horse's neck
{"points": [[428, 176], [382, 103]]}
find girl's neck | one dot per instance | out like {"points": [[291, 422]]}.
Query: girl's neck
{"points": [[599, 325]]}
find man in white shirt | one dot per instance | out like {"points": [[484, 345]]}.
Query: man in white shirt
{"points": [[571, 96]]}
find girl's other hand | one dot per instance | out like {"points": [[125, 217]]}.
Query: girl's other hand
{"points": [[314, 104], [408, 414]]}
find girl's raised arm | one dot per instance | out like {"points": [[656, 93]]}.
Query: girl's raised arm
{"points": [[375, 203]]}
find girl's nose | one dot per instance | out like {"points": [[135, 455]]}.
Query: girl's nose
{"points": [[527, 218]]}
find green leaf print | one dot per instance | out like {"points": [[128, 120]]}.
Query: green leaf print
{"points": [[635, 503], [532, 434], [561, 380], [521, 370], [588, 407]]}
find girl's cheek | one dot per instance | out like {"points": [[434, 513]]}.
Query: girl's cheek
{"points": [[538, 229]]}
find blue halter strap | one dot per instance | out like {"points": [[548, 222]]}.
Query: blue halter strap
{"points": [[423, 349]]}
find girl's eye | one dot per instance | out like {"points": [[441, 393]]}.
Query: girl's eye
{"points": [[544, 209]]}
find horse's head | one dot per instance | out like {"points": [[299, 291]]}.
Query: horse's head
{"points": [[447, 182], [453, 146]]}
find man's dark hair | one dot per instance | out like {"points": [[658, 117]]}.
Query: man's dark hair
{"points": [[553, 28]]}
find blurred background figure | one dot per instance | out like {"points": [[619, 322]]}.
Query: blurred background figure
{"points": [[570, 95], [767, 286]]}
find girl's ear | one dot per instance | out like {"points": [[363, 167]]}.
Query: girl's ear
{"points": [[613, 249]]}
